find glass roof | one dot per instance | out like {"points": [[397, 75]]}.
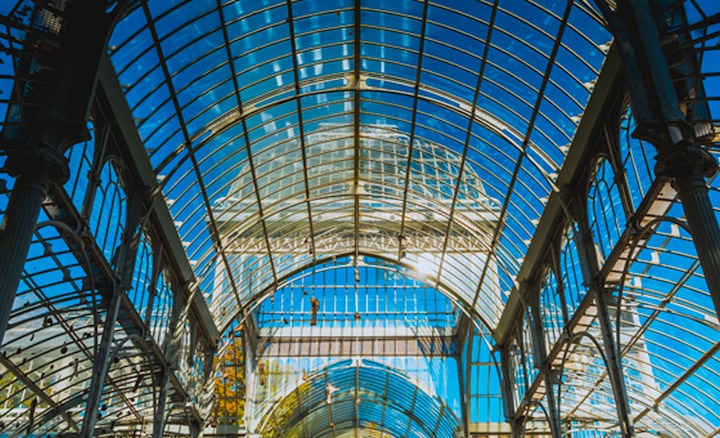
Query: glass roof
{"points": [[356, 186], [361, 394], [385, 300], [263, 117], [354, 359]]}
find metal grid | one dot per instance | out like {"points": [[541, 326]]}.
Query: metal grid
{"points": [[290, 134], [261, 88]]}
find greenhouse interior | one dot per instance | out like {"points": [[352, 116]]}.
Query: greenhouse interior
{"points": [[359, 218]]}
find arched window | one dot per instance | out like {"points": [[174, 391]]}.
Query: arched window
{"points": [[551, 308], [605, 210], [161, 311], [109, 211], [517, 370], [80, 160], [638, 161], [485, 401], [142, 277], [187, 374], [571, 273], [528, 347]]}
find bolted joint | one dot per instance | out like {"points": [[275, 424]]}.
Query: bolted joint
{"points": [[552, 375], [685, 159], [39, 160]]}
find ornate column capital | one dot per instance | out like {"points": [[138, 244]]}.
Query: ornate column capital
{"points": [[685, 159], [40, 160]]}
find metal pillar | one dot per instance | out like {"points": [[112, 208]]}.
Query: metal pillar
{"points": [[195, 427], [674, 129], [686, 165], [20, 218], [591, 276], [614, 362], [58, 121], [466, 333], [171, 350], [532, 292], [507, 391], [126, 264], [161, 406], [101, 365]]}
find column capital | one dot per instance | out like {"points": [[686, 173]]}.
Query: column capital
{"points": [[685, 159], [38, 159]]}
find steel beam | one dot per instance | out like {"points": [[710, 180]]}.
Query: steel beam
{"points": [[111, 96], [607, 93], [541, 358], [349, 347], [661, 120], [590, 268], [126, 256]]}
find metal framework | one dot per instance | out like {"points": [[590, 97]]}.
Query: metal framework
{"points": [[359, 218]]}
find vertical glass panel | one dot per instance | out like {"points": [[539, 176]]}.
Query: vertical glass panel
{"points": [[551, 309], [571, 273], [108, 215], [162, 304], [606, 213], [519, 382], [80, 160], [638, 161], [139, 294], [230, 381]]}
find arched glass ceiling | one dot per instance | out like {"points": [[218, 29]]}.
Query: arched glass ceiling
{"points": [[385, 301], [319, 129], [417, 134], [386, 317], [360, 394]]}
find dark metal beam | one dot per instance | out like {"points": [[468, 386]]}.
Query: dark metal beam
{"points": [[608, 90], [110, 92], [59, 121], [656, 99]]}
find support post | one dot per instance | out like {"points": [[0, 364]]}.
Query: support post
{"points": [[251, 381], [466, 333], [507, 391], [671, 114], [686, 165], [171, 350], [161, 406], [101, 365], [126, 264], [62, 101], [531, 291], [21, 216], [195, 429], [614, 362], [591, 276]]}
